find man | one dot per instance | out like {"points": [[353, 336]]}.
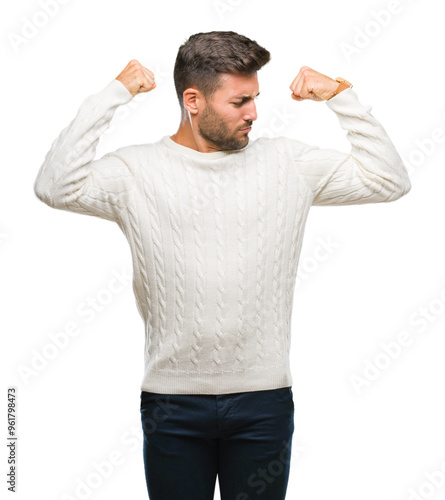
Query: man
{"points": [[215, 224]]}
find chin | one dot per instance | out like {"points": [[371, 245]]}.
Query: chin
{"points": [[246, 141]]}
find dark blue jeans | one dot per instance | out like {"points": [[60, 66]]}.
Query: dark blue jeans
{"points": [[244, 438]]}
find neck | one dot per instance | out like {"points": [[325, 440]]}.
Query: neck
{"points": [[185, 136]]}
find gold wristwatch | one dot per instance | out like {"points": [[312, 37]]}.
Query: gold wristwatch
{"points": [[343, 84]]}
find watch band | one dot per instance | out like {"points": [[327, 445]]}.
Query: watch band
{"points": [[343, 84]]}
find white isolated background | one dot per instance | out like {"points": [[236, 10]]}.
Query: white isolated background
{"points": [[382, 274]]}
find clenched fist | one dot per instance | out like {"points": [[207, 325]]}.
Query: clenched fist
{"points": [[137, 78], [310, 84]]}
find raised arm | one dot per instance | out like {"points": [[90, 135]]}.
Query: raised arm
{"points": [[372, 172], [69, 178]]}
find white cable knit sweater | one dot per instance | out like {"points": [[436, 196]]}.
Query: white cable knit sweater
{"points": [[215, 237]]}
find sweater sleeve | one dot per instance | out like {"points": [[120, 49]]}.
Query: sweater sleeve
{"points": [[70, 179], [372, 172]]}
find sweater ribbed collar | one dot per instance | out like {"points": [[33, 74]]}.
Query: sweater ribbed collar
{"points": [[192, 153]]}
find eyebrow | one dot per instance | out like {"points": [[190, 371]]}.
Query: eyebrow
{"points": [[244, 96]]}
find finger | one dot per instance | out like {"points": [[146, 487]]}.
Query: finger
{"points": [[295, 81], [298, 82], [299, 75], [301, 88], [296, 98], [149, 79], [304, 89], [314, 97], [294, 87], [148, 72]]}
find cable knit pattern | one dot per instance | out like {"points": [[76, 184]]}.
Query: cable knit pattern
{"points": [[277, 289], [261, 246], [241, 262], [221, 248], [216, 237], [199, 282]]}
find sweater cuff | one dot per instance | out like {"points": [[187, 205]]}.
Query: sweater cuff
{"points": [[345, 96], [348, 103], [116, 93]]}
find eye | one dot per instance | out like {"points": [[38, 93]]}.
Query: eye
{"points": [[238, 104]]}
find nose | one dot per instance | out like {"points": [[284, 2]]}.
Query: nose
{"points": [[250, 114]]}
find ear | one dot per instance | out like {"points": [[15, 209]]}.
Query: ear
{"points": [[192, 100]]}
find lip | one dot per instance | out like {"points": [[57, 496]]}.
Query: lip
{"points": [[248, 129]]}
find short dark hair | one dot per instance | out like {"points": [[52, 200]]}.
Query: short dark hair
{"points": [[204, 56]]}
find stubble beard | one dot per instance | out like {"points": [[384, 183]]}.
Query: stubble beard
{"points": [[213, 129]]}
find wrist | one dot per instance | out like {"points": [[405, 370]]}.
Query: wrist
{"points": [[341, 85]]}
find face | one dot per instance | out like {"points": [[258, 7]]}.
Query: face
{"points": [[231, 109]]}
